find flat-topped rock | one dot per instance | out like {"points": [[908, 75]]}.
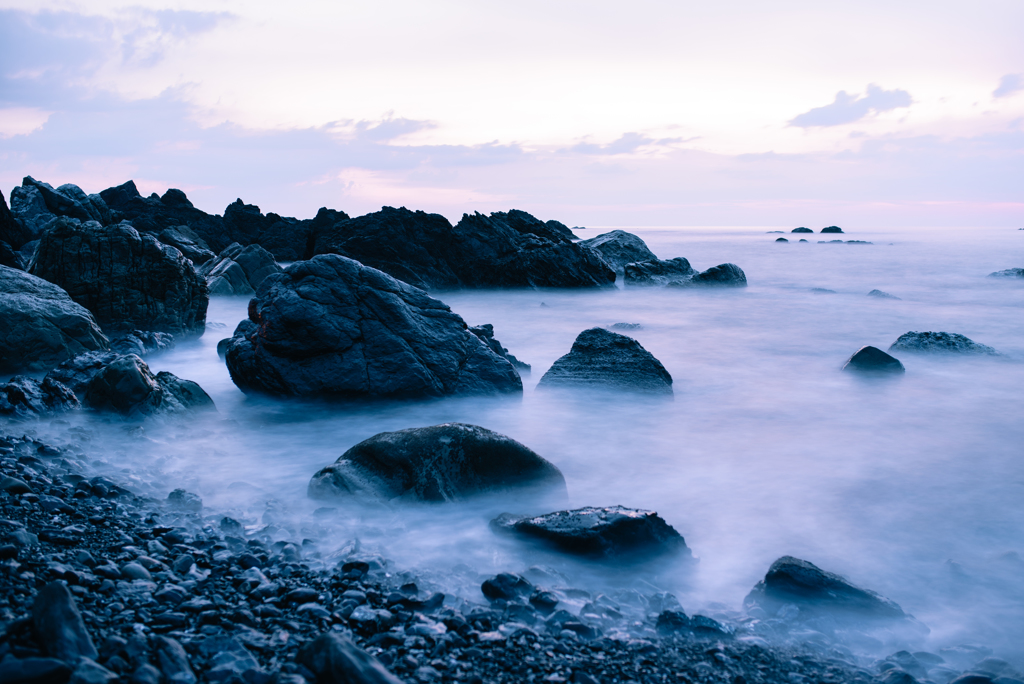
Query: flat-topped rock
{"points": [[939, 342], [442, 463], [600, 358], [870, 359]]}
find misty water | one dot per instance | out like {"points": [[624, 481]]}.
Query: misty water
{"points": [[912, 486]]}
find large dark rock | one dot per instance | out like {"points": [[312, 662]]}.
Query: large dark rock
{"points": [[334, 659], [561, 229], [1008, 273], [10, 258], [801, 230], [870, 359], [125, 279], [658, 272], [832, 229], [29, 209], [154, 214], [602, 358], [723, 275], [442, 463], [939, 342], [59, 626], [813, 590], [619, 248], [128, 387], [511, 249], [23, 397], [612, 533], [486, 334], [11, 231], [333, 327], [77, 372], [239, 270], [41, 326], [186, 241]]}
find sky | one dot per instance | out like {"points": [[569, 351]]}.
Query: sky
{"points": [[597, 113]]}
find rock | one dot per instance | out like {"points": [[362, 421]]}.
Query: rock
{"points": [[239, 270], [442, 463], [801, 230], [822, 290], [619, 248], [155, 214], [76, 373], [42, 325], [802, 240], [186, 241], [781, 240], [506, 587], [334, 659], [939, 342], [10, 258], [173, 661], [873, 360], [658, 272], [185, 501], [881, 295], [561, 229], [511, 249], [723, 275], [11, 231], [832, 229], [142, 342], [333, 327], [858, 242], [91, 672], [33, 670], [13, 485], [25, 397], [1008, 273], [126, 280], [145, 674], [612, 533], [127, 386], [625, 326], [59, 625], [486, 334], [813, 590], [601, 358]]}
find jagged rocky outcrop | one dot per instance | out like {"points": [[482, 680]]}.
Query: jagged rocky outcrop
{"points": [[619, 248], [939, 342], [1008, 273], [12, 236], [185, 240], [35, 204], [486, 334], [238, 270], [870, 359], [511, 249], [333, 327], [815, 591], [23, 397], [678, 273], [441, 463], [610, 533], [600, 358], [125, 279], [41, 325]]}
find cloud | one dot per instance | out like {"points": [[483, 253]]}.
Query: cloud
{"points": [[847, 108], [1009, 84], [629, 142], [391, 128]]}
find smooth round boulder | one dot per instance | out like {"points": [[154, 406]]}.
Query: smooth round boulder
{"points": [[332, 327], [603, 359], [42, 325], [939, 342], [831, 229], [801, 229], [437, 464], [870, 359], [619, 248], [723, 275]]}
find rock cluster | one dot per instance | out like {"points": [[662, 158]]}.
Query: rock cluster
{"points": [[678, 273], [333, 327], [939, 342], [238, 270], [600, 358]]}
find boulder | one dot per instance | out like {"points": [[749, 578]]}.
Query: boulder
{"points": [[333, 327], [11, 231], [832, 229], [29, 209], [619, 248], [59, 626], [881, 295], [561, 229], [42, 325], [723, 275], [1008, 273], [939, 342], [142, 342], [511, 249], [77, 372], [486, 334], [801, 229], [604, 359], [128, 387], [781, 240], [185, 240], [813, 590], [658, 272], [334, 659], [870, 359], [10, 258], [23, 397], [238, 270], [125, 279], [154, 214], [441, 463], [612, 533]]}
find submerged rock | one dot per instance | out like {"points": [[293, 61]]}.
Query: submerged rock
{"points": [[239, 270], [939, 342], [611, 533], [42, 325], [832, 229], [601, 358], [873, 360], [333, 327], [24, 397], [619, 248], [442, 463], [796, 581], [658, 272], [881, 295], [1008, 273], [125, 279]]}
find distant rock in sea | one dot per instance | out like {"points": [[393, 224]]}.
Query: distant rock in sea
{"points": [[781, 240], [941, 342], [881, 295], [625, 326], [832, 229], [859, 242], [870, 359], [603, 359], [1008, 273], [822, 290], [801, 230]]}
